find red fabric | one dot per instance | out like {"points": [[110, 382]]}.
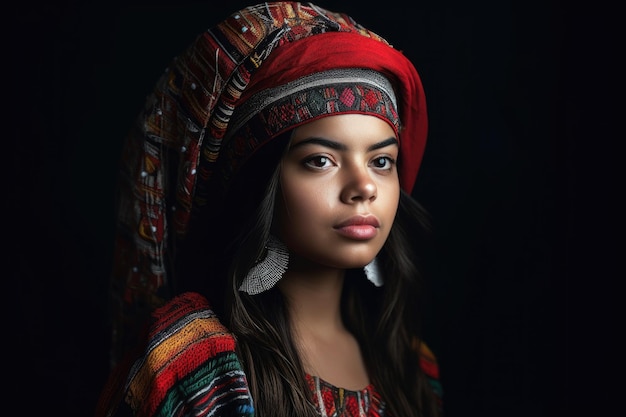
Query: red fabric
{"points": [[351, 50], [430, 367]]}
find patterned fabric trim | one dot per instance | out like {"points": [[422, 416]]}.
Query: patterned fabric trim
{"points": [[332, 401], [382, 102]]}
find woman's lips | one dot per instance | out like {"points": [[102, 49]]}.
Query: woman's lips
{"points": [[359, 227]]}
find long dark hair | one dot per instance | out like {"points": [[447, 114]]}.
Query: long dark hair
{"points": [[385, 320]]}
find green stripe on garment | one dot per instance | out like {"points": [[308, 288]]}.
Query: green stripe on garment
{"points": [[223, 376]]}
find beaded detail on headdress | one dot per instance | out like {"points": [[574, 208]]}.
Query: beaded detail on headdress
{"points": [[320, 93]]}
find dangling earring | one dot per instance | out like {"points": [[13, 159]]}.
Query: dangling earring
{"points": [[267, 272], [373, 272]]}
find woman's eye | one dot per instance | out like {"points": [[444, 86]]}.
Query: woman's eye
{"points": [[318, 161], [383, 162]]}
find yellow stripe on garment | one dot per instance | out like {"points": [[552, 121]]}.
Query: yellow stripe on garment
{"points": [[175, 344]]}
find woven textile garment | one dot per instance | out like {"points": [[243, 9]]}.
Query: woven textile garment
{"points": [[169, 170]]}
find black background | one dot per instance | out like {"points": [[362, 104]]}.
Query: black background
{"points": [[517, 175]]}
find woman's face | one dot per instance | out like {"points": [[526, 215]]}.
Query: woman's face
{"points": [[339, 190]]}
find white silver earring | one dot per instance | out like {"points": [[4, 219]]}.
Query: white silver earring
{"points": [[267, 272], [373, 272]]}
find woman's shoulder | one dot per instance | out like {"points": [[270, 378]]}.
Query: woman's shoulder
{"points": [[430, 366], [428, 360], [188, 317], [189, 361]]}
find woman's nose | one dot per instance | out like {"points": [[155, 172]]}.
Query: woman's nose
{"points": [[359, 186]]}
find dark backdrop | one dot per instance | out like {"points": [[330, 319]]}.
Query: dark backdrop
{"points": [[517, 91]]}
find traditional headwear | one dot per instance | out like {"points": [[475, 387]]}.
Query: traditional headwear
{"points": [[262, 71], [264, 115]]}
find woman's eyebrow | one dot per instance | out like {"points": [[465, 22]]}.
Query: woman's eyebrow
{"points": [[322, 142], [383, 144], [340, 146]]}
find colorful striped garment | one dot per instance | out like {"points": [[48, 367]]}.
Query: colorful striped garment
{"points": [[190, 368]]}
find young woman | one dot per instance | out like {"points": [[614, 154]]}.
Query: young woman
{"points": [[267, 236]]}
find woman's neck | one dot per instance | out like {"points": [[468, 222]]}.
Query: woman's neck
{"points": [[327, 349], [314, 296]]}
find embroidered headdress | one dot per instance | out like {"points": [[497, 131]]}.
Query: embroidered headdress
{"points": [[262, 71]]}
